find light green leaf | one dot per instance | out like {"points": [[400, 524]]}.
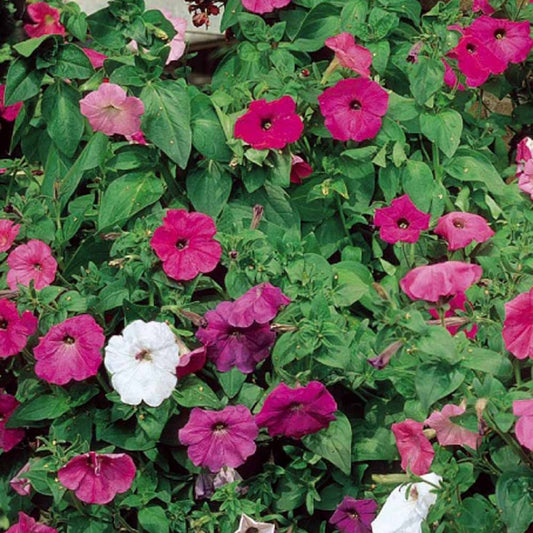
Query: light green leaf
{"points": [[444, 129]]}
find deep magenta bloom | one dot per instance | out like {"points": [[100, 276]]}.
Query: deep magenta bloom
{"points": [[524, 426], [46, 20], [191, 362], [401, 221], [14, 328], [8, 234], [185, 244], [70, 351], [96, 58], [353, 109], [229, 346], [297, 412], [9, 112], [524, 165], [460, 229], [518, 325], [448, 432], [350, 55], [457, 303], [98, 477], [264, 6], [27, 524], [270, 124], [29, 262], [483, 6], [219, 438], [441, 280], [415, 449], [300, 169], [450, 77], [9, 438], [354, 516]]}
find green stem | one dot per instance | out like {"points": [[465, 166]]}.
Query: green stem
{"points": [[517, 372], [343, 220]]}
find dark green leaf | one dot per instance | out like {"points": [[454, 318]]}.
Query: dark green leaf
{"points": [[23, 81], [444, 129]]}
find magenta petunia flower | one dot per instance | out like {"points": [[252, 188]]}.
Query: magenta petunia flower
{"points": [[14, 328], [219, 438], [264, 6], [9, 438], [229, 346], [524, 426], [518, 325], [401, 221], [70, 351], [483, 6], [441, 280], [415, 449], [177, 44], [350, 55], [297, 412], [185, 244], [457, 303], [9, 112], [96, 58], [354, 516], [27, 524], [110, 110], [353, 109], [46, 20], [450, 77], [8, 234], [29, 262], [191, 362], [96, 478], [450, 433], [270, 124], [524, 165], [300, 169], [20, 484], [460, 229]]}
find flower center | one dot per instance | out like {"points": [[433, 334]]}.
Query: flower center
{"points": [[219, 428], [252, 530], [49, 19], [352, 513], [458, 223], [94, 462], [295, 406], [143, 355], [3, 323], [355, 105], [471, 48], [67, 339], [182, 243], [266, 124], [499, 34], [38, 266], [403, 223]]}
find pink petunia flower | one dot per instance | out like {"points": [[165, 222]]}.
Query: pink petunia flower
{"points": [[96, 478], [70, 351], [177, 45], [350, 55], [29, 262], [264, 6], [96, 58], [9, 112], [415, 449], [8, 234], [441, 280], [401, 221], [219, 438], [450, 77], [449, 433], [14, 328], [191, 362], [270, 124], [19, 483], [229, 346], [518, 325], [27, 524], [297, 412], [354, 516], [483, 6], [300, 169], [460, 229], [9, 438], [353, 109], [524, 426], [524, 165], [46, 20], [185, 244], [457, 303], [110, 110]]}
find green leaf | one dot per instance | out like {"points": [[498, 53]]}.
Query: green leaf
{"points": [[154, 519], [513, 497], [440, 345], [477, 169], [434, 381], [104, 29], [418, 183], [321, 22], [193, 392], [426, 78], [45, 406], [231, 381], [360, 154], [401, 108], [444, 129], [488, 361], [23, 81], [208, 189], [72, 62], [26, 48]]}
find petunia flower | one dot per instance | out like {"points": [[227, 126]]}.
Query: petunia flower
{"points": [[10, 112], [300, 169], [354, 516], [110, 110], [96, 478], [191, 362], [457, 303], [353, 109], [249, 525], [460, 229], [9, 438], [70, 350], [96, 58], [401, 221], [524, 426], [27, 524], [450, 77], [177, 44], [264, 6], [518, 325], [8, 234], [20, 484], [46, 20], [142, 362], [137, 138], [407, 507], [524, 165], [415, 449], [185, 244], [270, 124], [219, 438], [350, 55], [449, 433], [297, 412], [29, 262], [14, 328], [483, 6]]}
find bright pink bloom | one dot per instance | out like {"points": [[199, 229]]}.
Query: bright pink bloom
{"points": [[8, 233], [524, 165], [229, 346], [19, 483], [401, 221], [457, 303], [350, 55], [191, 362], [70, 351], [29, 262], [98, 477], [450, 77], [300, 169], [177, 45], [441, 280], [354, 516], [264, 6], [524, 426], [460, 229], [185, 244], [9, 438], [27, 524], [353, 109], [297, 412], [46, 19], [14, 328], [449, 433], [219, 438], [483, 6], [10, 112], [270, 124], [96, 58], [110, 110], [518, 325], [137, 138], [414, 447]]}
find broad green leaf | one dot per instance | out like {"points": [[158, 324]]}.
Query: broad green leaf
{"points": [[401, 108], [104, 29], [476, 169], [45, 406], [488, 361], [320, 23], [434, 381], [72, 62], [513, 497], [154, 519], [193, 392], [426, 78], [418, 183], [231, 381], [26, 48], [209, 188], [23, 81], [444, 129]]}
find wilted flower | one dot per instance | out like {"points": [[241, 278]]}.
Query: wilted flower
{"points": [[96, 58], [249, 525], [350, 55], [9, 112], [207, 483], [354, 516], [14, 328], [449, 433], [27, 524], [382, 360], [524, 426], [46, 20], [9, 438], [460, 229], [32, 261], [414, 447], [518, 325], [264, 6], [19, 483], [300, 169]]}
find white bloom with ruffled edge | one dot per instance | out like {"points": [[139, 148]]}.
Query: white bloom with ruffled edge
{"points": [[142, 362], [247, 524], [405, 514]]}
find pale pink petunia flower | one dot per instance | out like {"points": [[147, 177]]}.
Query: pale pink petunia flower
{"points": [[14, 328], [8, 234], [300, 169], [177, 44], [460, 229], [450, 433], [415, 449], [518, 325], [20, 484], [524, 426], [350, 55], [46, 20], [9, 438], [264, 6], [27, 524], [96, 58], [29, 262], [9, 112]]}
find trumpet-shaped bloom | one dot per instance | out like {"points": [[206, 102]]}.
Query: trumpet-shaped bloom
{"points": [[414, 447], [29, 262], [27, 524], [96, 58], [460, 229], [524, 426], [249, 525], [177, 44], [46, 20], [300, 169], [264, 6], [8, 234], [9, 112], [191, 362], [450, 433], [14, 328], [20, 484], [518, 325], [524, 165], [9, 438], [450, 77], [350, 55], [354, 516]]}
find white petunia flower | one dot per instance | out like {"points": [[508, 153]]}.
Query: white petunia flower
{"points": [[402, 514], [142, 362], [247, 525]]}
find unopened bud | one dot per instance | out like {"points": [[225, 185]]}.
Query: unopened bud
{"points": [[383, 359], [257, 216]]}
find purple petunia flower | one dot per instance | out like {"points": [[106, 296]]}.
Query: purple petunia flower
{"points": [[354, 516]]}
